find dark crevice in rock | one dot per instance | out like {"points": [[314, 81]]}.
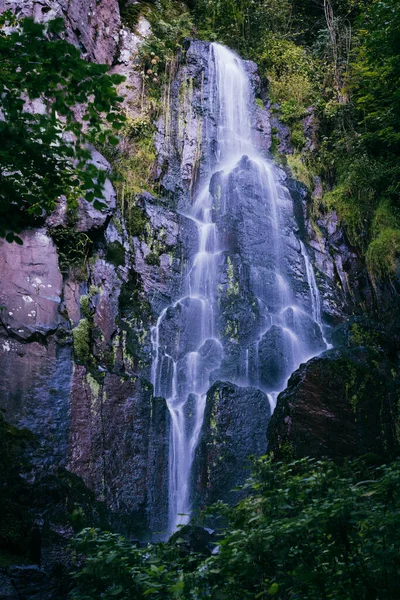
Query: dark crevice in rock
{"points": [[41, 338]]}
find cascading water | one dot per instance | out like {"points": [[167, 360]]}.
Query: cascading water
{"points": [[192, 340]]}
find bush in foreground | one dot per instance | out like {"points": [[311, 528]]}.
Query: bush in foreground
{"points": [[307, 529]]}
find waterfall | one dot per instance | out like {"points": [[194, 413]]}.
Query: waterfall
{"points": [[192, 344]]}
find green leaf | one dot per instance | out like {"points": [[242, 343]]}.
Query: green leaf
{"points": [[273, 590], [116, 591], [99, 205]]}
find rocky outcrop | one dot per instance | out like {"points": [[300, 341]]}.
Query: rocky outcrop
{"points": [[91, 25], [74, 339], [234, 428], [341, 404], [75, 353], [342, 276], [35, 356]]}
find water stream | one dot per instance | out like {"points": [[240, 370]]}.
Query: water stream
{"points": [[189, 347]]}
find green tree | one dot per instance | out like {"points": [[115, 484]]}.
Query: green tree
{"points": [[53, 104]]}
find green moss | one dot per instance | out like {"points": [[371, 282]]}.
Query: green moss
{"points": [[86, 307], [134, 311], [362, 336], [81, 340], [300, 170], [136, 220], [352, 214], [153, 259], [297, 137], [115, 254], [260, 103], [274, 143], [232, 330], [383, 253], [94, 386], [233, 284], [118, 225], [93, 290]]}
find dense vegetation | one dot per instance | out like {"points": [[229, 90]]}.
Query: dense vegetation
{"points": [[307, 529]]}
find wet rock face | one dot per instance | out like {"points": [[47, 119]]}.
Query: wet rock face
{"points": [[35, 393], [187, 133], [341, 274], [235, 425], [35, 356], [341, 404], [91, 25], [31, 285], [98, 417], [117, 444]]}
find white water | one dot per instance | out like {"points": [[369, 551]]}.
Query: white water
{"points": [[181, 368]]}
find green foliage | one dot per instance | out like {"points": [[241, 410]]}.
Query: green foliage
{"points": [[290, 69], [307, 529], [114, 568], [383, 253], [82, 334], [376, 75], [43, 149], [300, 168], [153, 259], [243, 24], [362, 336], [297, 137], [115, 254], [73, 249], [171, 23]]}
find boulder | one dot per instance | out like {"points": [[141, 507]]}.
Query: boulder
{"points": [[234, 428], [192, 538], [340, 404]]}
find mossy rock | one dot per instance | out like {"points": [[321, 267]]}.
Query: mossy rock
{"points": [[341, 404], [82, 341], [115, 254], [153, 259]]}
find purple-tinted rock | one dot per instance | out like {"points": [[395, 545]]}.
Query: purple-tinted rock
{"points": [[30, 285], [92, 25]]}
